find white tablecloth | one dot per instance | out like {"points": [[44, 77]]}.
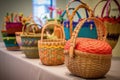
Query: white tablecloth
{"points": [[15, 66]]}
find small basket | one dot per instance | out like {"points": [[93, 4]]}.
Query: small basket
{"points": [[30, 41], [9, 41], [12, 27], [88, 63], [51, 50]]}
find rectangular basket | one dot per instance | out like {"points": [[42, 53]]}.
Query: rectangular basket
{"points": [[9, 41], [12, 27]]}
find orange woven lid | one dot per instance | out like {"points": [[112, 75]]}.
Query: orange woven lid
{"points": [[91, 46]]}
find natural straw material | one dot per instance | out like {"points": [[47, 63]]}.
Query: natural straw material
{"points": [[30, 41], [86, 64], [51, 50], [112, 24]]}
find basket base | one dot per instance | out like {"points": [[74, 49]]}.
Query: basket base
{"points": [[88, 66], [30, 53], [15, 48]]}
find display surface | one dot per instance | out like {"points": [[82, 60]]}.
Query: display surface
{"points": [[15, 66]]}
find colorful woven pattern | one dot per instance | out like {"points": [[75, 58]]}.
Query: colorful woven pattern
{"points": [[51, 49]]}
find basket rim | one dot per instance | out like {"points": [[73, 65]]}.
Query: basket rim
{"points": [[89, 55]]}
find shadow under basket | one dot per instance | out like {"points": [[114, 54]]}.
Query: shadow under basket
{"points": [[9, 41]]}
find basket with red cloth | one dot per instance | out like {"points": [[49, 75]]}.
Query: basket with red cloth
{"points": [[87, 57]]}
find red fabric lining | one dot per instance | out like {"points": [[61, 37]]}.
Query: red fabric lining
{"points": [[91, 46]]}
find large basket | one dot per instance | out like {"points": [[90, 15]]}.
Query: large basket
{"points": [[30, 41], [9, 41], [112, 24], [12, 27], [88, 63], [51, 50]]}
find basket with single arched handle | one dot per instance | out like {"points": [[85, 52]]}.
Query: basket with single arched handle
{"points": [[29, 39], [87, 57], [51, 49]]}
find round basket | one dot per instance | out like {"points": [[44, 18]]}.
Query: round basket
{"points": [[30, 40], [88, 63], [51, 50]]}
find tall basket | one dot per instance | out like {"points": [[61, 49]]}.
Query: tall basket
{"points": [[86, 57], [51, 49], [112, 23]]}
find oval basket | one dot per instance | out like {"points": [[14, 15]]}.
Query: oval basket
{"points": [[51, 50], [88, 64]]}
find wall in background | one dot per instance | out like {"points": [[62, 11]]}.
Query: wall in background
{"points": [[25, 6]]}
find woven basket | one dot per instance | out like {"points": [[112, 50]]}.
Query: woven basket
{"points": [[9, 41], [112, 24], [30, 41], [51, 50], [12, 27], [84, 63]]}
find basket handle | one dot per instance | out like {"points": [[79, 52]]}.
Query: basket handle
{"points": [[103, 7], [90, 12], [29, 26], [107, 6], [55, 24], [101, 32], [70, 2], [63, 14]]}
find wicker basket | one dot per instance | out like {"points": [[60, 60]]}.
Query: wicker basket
{"points": [[112, 24], [51, 50], [84, 63], [30, 41], [9, 41]]}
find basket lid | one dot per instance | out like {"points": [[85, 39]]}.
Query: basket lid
{"points": [[91, 46]]}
